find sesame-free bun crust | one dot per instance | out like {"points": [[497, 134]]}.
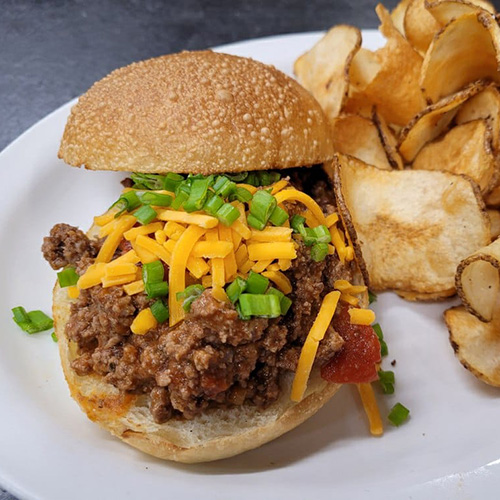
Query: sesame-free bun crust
{"points": [[196, 112]]}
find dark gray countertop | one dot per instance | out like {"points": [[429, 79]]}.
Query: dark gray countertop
{"points": [[53, 50]]}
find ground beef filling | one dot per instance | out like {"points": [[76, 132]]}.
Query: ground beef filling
{"points": [[213, 358]]}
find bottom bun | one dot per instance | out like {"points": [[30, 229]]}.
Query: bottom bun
{"points": [[213, 435]]}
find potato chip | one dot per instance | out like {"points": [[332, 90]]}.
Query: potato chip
{"points": [[433, 121], [394, 90], [478, 281], [465, 149], [412, 227], [486, 106], [389, 141], [476, 344], [324, 70], [446, 10], [420, 26], [359, 137], [364, 68], [494, 216], [398, 15], [493, 198], [450, 65]]}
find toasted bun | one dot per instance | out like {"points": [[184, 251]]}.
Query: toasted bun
{"points": [[214, 435], [196, 112]]}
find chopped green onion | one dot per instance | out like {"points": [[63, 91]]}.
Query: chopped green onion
{"points": [[172, 181], [372, 297], [145, 214], [255, 223], [285, 302], [256, 283], [126, 202], [263, 205], [398, 414], [197, 195], [153, 272], [384, 351], [180, 198], [266, 306], [159, 289], [223, 186], [227, 214], [319, 251], [160, 311], [240, 177], [235, 289], [387, 381], [67, 277], [241, 194], [148, 181], [297, 223], [278, 217], [213, 204], [322, 234], [54, 337], [275, 177], [253, 179], [264, 178], [157, 199], [33, 321], [189, 295], [20, 315], [40, 320], [241, 315]]}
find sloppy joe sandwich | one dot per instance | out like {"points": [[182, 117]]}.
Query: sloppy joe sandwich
{"points": [[218, 302]]}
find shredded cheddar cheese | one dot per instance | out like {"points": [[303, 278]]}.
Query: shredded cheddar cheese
{"points": [[294, 195], [361, 316], [204, 221], [308, 352], [177, 272], [280, 280], [143, 322], [371, 408], [113, 240], [132, 234], [278, 250]]}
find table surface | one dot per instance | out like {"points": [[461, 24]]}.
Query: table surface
{"points": [[52, 51]]}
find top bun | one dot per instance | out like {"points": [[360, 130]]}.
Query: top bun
{"points": [[196, 112]]}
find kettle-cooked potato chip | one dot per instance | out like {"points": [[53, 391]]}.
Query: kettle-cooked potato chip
{"points": [[478, 281], [450, 65], [465, 149], [486, 106], [420, 26], [398, 15], [446, 10], [389, 141], [413, 227], [324, 70], [493, 198], [394, 90], [433, 121], [476, 344], [359, 137], [494, 216]]}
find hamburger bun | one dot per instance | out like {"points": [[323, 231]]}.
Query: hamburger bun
{"points": [[202, 112]]}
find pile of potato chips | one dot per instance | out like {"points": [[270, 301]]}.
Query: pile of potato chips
{"points": [[416, 125]]}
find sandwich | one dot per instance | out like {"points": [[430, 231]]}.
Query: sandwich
{"points": [[219, 301]]}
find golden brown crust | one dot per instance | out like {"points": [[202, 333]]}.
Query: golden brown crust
{"points": [[215, 435], [202, 112]]}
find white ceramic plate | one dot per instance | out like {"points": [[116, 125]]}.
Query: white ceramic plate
{"points": [[49, 450]]}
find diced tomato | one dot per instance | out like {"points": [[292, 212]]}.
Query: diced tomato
{"points": [[356, 361]]}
